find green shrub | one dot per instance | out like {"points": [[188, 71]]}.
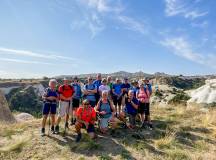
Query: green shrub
{"points": [[179, 98], [25, 100]]}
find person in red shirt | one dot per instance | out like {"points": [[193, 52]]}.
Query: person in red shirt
{"points": [[66, 92], [86, 117]]}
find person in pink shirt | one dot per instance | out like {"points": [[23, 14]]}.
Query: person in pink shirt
{"points": [[143, 95]]}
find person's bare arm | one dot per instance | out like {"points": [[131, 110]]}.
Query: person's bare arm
{"points": [[113, 91], [123, 100], [113, 108], [134, 105]]}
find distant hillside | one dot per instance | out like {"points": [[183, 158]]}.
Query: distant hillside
{"points": [[119, 74]]}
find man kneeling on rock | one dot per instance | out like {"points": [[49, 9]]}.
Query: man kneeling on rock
{"points": [[86, 117]]}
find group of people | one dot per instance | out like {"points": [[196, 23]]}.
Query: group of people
{"points": [[109, 103]]}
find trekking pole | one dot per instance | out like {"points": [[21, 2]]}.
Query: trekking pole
{"points": [[49, 125]]}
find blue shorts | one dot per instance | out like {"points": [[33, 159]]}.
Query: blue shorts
{"points": [[49, 108]]}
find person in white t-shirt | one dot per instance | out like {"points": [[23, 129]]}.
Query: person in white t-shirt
{"points": [[104, 87]]}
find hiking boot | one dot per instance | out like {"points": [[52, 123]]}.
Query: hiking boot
{"points": [[73, 122], [150, 126], [143, 125], [113, 133], [78, 138], [124, 126], [43, 132], [53, 130], [57, 129]]}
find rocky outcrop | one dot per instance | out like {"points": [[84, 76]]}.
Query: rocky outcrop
{"points": [[205, 94], [5, 113]]}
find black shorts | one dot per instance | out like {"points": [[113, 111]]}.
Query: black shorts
{"points": [[90, 129], [76, 103], [49, 108], [117, 101], [144, 108]]}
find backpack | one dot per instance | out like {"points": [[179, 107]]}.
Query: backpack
{"points": [[63, 87], [100, 104]]}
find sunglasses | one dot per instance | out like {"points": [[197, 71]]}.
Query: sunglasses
{"points": [[86, 104]]}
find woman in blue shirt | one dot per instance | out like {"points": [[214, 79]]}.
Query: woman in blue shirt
{"points": [[117, 95]]}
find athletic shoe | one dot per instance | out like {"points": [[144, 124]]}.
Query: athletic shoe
{"points": [[57, 129], [78, 138], [150, 126], [53, 130], [43, 132], [73, 122], [143, 125]]}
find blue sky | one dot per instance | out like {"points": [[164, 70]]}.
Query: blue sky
{"points": [[54, 37]]}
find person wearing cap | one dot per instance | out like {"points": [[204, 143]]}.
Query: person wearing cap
{"points": [[50, 98], [66, 92], [117, 95], [147, 84], [86, 117], [135, 87], [143, 95], [104, 87], [89, 92], [97, 83], [126, 86], [76, 98], [130, 104]]}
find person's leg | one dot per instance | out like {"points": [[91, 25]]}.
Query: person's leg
{"points": [[53, 114], [46, 110], [67, 113], [78, 127], [122, 117], [114, 122], [91, 131], [115, 104], [52, 123], [76, 103], [103, 125], [147, 116], [61, 114], [44, 121], [132, 121]]}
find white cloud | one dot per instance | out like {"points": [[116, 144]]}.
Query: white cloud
{"points": [[91, 22], [17, 74], [180, 47], [23, 61], [183, 8], [9, 51], [132, 24], [94, 12], [104, 5]]}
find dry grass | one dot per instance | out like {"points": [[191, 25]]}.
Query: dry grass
{"points": [[15, 144], [166, 141], [180, 133]]}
